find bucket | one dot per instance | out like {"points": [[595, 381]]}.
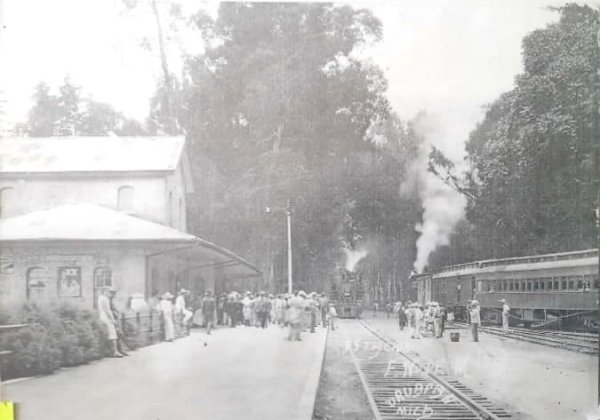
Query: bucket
{"points": [[454, 337]]}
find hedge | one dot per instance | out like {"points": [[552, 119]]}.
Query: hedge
{"points": [[59, 334]]}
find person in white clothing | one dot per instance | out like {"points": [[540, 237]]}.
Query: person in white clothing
{"points": [[331, 316], [108, 320], [181, 309], [166, 309], [505, 314]]}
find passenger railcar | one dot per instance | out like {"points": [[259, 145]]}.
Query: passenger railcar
{"points": [[551, 291]]}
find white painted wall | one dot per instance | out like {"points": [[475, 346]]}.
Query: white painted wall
{"points": [[151, 196], [127, 262]]}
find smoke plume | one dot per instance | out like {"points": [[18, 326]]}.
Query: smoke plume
{"points": [[443, 207], [353, 257]]}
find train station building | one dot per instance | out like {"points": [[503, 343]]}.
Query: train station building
{"points": [[81, 213]]}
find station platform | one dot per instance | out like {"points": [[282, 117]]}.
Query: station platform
{"points": [[535, 381], [234, 373]]}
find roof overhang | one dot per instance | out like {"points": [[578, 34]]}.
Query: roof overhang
{"points": [[204, 255]]}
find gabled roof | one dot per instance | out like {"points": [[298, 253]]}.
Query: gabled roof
{"points": [[90, 154], [85, 222]]}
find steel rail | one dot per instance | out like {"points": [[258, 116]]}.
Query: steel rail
{"points": [[472, 405], [569, 343]]}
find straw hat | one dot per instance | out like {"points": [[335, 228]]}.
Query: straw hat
{"points": [[502, 300], [167, 296]]}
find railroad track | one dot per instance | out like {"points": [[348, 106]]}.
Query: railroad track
{"points": [[401, 386], [581, 343]]}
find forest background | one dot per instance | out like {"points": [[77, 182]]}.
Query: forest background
{"points": [[280, 105]]}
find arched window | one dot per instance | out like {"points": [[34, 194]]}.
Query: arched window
{"points": [[102, 279], [7, 202], [125, 199], [37, 283]]}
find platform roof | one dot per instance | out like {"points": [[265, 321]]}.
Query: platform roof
{"points": [[94, 223], [90, 154]]}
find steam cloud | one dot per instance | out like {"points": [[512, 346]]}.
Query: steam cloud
{"points": [[353, 257], [443, 207]]}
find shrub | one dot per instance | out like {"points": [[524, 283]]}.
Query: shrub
{"points": [[58, 334]]}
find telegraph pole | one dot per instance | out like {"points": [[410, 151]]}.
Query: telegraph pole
{"points": [[288, 211]]}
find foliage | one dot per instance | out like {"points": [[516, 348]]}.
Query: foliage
{"points": [[59, 334], [279, 107], [67, 114], [535, 155]]}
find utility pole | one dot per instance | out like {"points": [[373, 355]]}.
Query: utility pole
{"points": [[595, 134], [288, 212]]}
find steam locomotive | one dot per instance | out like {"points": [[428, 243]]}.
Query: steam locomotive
{"points": [[550, 291], [346, 292]]}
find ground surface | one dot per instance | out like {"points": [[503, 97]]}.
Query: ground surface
{"points": [[242, 373], [341, 395], [534, 381]]}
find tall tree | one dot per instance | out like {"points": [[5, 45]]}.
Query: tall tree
{"points": [[67, 114], [535, 180], [282, 107]]}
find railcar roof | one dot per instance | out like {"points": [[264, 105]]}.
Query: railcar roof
{"points": [[90, 154], [535, 262]]}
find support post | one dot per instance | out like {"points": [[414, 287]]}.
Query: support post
{"points": [[289, 235]]}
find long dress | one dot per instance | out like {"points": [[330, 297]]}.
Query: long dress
{"points": [[166, 309], [247, 309], [106, 317]]}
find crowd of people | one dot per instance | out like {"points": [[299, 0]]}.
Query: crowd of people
{"points": [[299, 311], [420, 319], [430, 319]]}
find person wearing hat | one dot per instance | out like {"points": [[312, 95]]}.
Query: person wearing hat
{"points": [[209, 310], [296, 316], [108, 320], [313, 307], [121, 345], [181, 308], [436, 314], [166, 309], [262, 306], [474, 312], [331, 316], [505, 314]]}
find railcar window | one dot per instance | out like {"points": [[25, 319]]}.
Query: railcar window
{"points": [[550, 284], [523, 285], [571, 285], [529, 285], [564, 283], [579, 284], [536, 285], [555, 284], [517, 285], [542, 284], [510, 285]]}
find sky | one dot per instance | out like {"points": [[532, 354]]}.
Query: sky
{"points": [[449, 58]]}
